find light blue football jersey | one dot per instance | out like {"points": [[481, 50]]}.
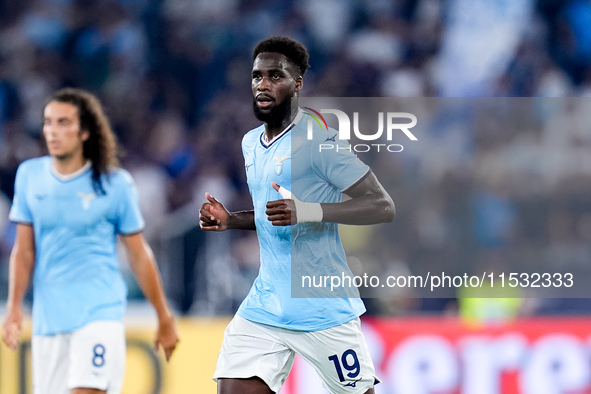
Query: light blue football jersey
{"points": [[296, 163], [76, 279]]}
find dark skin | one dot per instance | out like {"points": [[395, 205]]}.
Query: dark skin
{"points": [[253, 385], [275, 79]]}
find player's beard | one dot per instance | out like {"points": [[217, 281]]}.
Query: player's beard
{"points": [[274, 116]]}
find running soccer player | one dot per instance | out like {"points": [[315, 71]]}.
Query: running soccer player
{"points": [[69, 208], [270, 326]]}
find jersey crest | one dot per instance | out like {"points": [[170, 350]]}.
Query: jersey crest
{"points": [[279, 164], [86, 199]]}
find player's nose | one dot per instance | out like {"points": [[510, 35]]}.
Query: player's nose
{"points": [[48, 130], [264, 84]]}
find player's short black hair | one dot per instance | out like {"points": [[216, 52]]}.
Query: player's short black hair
{"points": [[293, 50]]}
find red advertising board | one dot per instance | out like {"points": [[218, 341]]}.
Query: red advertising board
{"points": [[445, 356]]}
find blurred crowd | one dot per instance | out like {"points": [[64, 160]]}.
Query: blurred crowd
{"points": [[174, 77], [492, 186]]}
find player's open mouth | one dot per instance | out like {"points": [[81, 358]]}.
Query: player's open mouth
{"points": [[264, 101]]}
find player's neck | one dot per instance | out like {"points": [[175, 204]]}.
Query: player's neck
{"points": [[68, 165], [274, 130]]}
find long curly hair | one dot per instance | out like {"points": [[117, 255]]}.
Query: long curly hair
{"points": [[101, 147]]}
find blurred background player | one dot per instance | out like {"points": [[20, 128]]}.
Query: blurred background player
{"points": [[270, 326], [70, 206]]}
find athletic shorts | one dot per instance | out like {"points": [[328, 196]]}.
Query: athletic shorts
{"points": [[90, 357], [338, 354]]}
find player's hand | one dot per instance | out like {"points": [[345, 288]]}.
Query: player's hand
{"points": [[281, 212], [166, 336], [213, 216], [12, 329]]}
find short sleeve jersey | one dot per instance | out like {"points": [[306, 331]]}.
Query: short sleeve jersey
{"points": [[76, 277], [296, 163]]}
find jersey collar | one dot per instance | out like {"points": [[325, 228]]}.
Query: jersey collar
{"points": [[295, 120], [73, 175]]}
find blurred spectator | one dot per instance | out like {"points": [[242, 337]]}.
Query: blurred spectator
{"points": [[175, 79]]}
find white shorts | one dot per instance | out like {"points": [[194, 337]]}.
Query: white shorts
{"points": [[90, 357], [338, 354]]}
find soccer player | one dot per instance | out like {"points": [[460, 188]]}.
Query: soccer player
{"points": [[270, 326], [69, 208]]}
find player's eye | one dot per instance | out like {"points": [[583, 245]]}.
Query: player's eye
{"points": [[276, 76]]}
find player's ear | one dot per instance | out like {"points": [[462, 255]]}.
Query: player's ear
{"points": [[84, 135], [299, 83]]}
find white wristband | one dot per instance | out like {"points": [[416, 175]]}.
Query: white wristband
{"points": [[306, 212]]}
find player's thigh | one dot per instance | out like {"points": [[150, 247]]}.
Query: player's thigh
{"points": [[340, 356], [87, 391], [253, 385], [97, 354], [50, 359], [251, 350]]}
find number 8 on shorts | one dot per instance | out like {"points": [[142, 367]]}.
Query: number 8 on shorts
{"points": [[98, 360]]}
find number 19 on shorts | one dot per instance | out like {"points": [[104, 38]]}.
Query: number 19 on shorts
{"points": [[348, 361]]}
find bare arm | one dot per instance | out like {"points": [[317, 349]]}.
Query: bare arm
{"points": [[144, 267], [369, 203], [213, 216], [22, 262]]}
